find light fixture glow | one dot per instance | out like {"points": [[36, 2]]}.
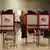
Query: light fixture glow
{"points": [[19, 12]]}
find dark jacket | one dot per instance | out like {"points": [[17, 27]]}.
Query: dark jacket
{"points": [[21, 19]]}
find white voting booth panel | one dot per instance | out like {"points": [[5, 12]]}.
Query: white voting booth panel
{"points": [[41, 20], [44, 21], [31, 20], [8, 22]]}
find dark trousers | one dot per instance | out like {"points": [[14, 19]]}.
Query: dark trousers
{"points": [[23, 30]]}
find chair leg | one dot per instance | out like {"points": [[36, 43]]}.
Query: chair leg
{"points": [[37, 41], [49, 43]]}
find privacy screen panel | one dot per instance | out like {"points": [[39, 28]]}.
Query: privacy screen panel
{"points": [[7, 22], [44, 21], [32, 19]]}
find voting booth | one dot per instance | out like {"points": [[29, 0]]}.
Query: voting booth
{"points": [[44, 21], [7, 22], [37, 21], [7, 27]]}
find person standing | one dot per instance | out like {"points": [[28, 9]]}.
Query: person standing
{"points": [[23, 27]]}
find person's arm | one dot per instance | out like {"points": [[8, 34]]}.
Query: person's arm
{"points": [[21, 22]]}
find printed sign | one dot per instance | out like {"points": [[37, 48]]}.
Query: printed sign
{"points": [[7, 20], [43, 20]]}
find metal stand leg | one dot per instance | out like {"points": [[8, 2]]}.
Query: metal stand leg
{"points": [[26, 37], [3, 40], [34, 36], [8, 40], [49, 42], [37, 39], [14, 39]]}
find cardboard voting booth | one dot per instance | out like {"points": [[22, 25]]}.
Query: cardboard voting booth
{"points": [[31, 21], [7, 22], [41, 21], [38, 22], [44, 21]]}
